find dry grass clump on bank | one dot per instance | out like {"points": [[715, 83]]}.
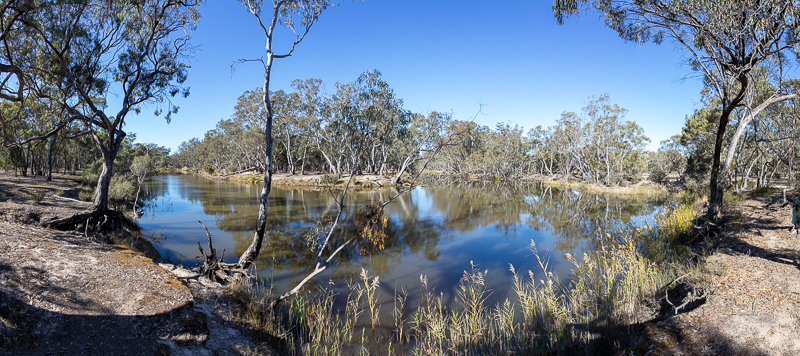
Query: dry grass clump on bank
{"points": [[642, 189], [612, 287]]}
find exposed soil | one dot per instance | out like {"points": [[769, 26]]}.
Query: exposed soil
{"points": [[63, 293], [751, 303]]}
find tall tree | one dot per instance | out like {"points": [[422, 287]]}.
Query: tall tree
{"points": [[725, 40], [137, 49], [294, 15]]}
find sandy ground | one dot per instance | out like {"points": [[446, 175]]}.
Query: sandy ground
{"points": [[753, 292], [62, 293]]}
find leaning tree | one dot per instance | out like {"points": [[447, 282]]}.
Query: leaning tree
{"points": [[298, 16], [725, 40]]}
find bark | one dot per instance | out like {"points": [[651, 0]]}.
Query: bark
{"points": [[254, 249], [743, 124], [717, 186], [50, 157]]}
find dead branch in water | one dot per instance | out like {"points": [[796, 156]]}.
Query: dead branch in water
{"points": [[213, 268]]}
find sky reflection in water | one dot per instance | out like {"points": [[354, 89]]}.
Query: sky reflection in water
{"points": [[435, 231]]}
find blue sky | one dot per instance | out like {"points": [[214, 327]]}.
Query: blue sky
{"points": [[514, 59]]}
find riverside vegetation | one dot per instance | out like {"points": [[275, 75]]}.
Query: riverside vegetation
{"points": [[612, 288], [64, 59]]}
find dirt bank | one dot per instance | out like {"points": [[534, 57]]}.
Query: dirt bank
{"points": [[752, 291], [63, 293]]}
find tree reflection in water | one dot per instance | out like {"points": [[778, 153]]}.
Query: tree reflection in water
{"points": [[433, 230]]}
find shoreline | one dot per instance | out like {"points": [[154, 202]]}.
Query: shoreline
{"points": [[372, 181], [65, 291]]}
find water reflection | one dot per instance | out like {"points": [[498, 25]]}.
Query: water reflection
{"points": [[434, 230]]}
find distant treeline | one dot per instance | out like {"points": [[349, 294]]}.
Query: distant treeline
{"points": [[363, 127]]}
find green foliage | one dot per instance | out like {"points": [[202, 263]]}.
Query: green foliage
{"points": [[657, 175], [731, 198], [86, 195], [698, 139], [91, 173], [208, 168], [59, 192], [122, 188], [37, 197], [329, 179]]}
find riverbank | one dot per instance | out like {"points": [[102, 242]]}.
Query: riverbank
{"points": [[372, 181], [750, 293], [64, 293]]}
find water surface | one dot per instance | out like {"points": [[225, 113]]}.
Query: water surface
{"points": [[434, 231]]}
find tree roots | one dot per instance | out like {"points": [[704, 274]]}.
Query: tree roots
{"points": [[95, 219], [213, 268]]}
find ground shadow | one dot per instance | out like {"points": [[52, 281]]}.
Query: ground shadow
{"points": [[26, 329]]}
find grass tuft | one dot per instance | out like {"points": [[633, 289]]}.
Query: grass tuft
{"points": [[610, 288]]}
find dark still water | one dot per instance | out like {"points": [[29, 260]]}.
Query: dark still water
{"points": [[434, 231]]}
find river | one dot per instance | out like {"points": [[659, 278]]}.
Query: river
{"points": [[436, 231]]}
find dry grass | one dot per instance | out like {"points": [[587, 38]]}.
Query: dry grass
{"points": [[610, 288]]}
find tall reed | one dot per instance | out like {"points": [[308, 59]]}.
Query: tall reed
{"points": [[610, 288]]}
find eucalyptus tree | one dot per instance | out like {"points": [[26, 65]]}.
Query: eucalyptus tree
{"points": [[311, 92], [767, 87], [294, 15], [724, 40], [425, 136], [137, 50]]}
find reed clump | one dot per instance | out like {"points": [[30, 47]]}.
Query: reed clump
{"points": [[611, 288]]}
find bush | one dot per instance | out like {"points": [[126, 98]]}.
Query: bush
{"points": [[657, 175], [37, 197], [59, 192], [91, 173], [208, 168], [86, 195], [730, 198], [121, 188], [765, 190], [329, 179]]}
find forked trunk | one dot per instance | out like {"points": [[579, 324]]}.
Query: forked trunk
{"points": [[717, 184]]}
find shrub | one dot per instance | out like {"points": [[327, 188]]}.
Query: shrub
{"points": [[91, 173], [657, 175], [121, 188], [37, 197], [329, 179], [730, 198], [765, 190], [59, 192], [208, 168], [86, 195]]}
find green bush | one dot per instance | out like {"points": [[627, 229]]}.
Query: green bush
{"points": [[329, 179], [37, 197], [121, 188], [657, 175], [208, 168], [765, 190], [59, 192], [731, 198], [86, 195], [91, 173]]}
